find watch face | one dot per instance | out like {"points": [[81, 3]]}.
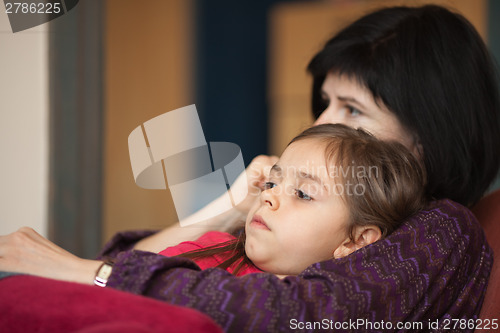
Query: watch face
{"points": [[101, 278], [105, 271]]}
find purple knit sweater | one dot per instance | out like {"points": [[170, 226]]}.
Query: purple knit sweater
{"points": [[431, 270]]}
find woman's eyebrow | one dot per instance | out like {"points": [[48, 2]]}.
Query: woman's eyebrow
{"points": [[351, 100]]}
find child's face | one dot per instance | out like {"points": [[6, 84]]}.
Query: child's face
{"points": [[299, 220]]}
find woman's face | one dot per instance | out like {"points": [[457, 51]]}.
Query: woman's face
{"points": [[353, 105]]}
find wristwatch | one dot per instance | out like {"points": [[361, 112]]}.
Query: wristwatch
{"points": [[103, 273]]}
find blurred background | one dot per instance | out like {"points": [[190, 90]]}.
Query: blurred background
{"points": [[72, 91]]}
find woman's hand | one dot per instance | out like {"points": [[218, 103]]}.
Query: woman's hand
{"points": [[25, 251]]}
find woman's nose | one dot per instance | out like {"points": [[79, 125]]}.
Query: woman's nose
{"points": [[329, 116], [270, 198]]}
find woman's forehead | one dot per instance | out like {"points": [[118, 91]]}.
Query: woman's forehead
{"points": [[347, 87]]}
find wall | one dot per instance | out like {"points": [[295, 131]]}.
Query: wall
{"points": [[23, 127], [231, 72], [148, 68]]}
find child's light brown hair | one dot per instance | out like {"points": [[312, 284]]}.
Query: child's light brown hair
{"points": [[392, 179], [395, 192]]}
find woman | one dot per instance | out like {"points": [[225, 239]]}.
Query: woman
{"points": [[421, 76]]}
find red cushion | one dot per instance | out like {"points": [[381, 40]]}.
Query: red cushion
{"points": [[487, 212], [33, 304]]}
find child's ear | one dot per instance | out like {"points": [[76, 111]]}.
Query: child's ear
{"points": [[363, 236]]}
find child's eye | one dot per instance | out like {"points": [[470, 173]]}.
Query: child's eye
{"points": [[269, 185], [302, 195], [353, 111]]}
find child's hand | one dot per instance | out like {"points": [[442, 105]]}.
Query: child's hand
{"points": [[256, 173]]}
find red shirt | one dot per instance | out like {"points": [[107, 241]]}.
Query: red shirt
{"points": [[209, 239]]}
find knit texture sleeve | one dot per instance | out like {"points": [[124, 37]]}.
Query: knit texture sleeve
{"points": [[123, 241], [434, 267]]}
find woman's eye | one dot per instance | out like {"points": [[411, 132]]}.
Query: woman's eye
{"points": [[269, 185], [324, 98], [325, 101], [302, 195], [353, 111]]}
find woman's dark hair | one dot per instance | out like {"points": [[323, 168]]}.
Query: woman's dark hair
{"points": [[430, 67], [381, 183]]}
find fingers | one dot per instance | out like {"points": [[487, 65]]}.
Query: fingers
{"points": [[29, 238], [17, 238], [17, 244], [256, 174], [26, 251], [264, 161], [258, 171], [11, 247], [27, 245]]}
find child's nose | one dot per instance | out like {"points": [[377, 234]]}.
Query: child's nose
{"points": [[270, 198], [272, 203]]}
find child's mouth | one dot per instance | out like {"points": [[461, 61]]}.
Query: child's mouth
{"points": [[258, 222]]}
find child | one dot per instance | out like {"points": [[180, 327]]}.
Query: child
{"points": [[333, 191]]}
